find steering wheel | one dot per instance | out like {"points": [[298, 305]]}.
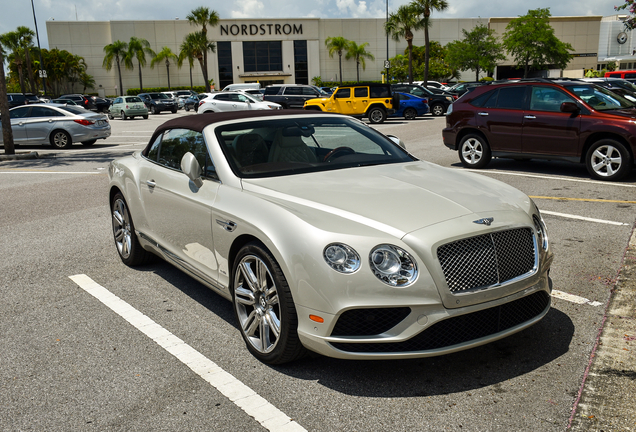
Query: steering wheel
{"points": [[338, 152]]}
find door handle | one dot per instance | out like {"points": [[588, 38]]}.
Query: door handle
{"points": [[151, 183], [482, 113], [529, 117], [227, 225]]}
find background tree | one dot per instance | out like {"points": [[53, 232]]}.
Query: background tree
{"points": [[198, 43], [359, 54], [137, 49], [479, 50], [115, 52], [401, 24], [438, 69], [425, 8], [630, 6], [530, 40], [7, 132], [204, 17], [164, 55], [11, 41], [337, 45], [25, 37], [187, 51]]}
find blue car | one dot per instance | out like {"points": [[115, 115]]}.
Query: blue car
{"points": [[411, 106]]}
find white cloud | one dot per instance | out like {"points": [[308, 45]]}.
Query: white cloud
{"points": [[249, 9]]}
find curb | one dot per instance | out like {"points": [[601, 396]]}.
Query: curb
{"points": [[26, 156]]}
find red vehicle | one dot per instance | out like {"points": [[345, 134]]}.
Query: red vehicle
{"points": [[624, 74], [573, 121]]}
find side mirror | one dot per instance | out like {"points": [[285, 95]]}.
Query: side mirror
{"points": [[397, 141], [190, 167], [569, 107]]}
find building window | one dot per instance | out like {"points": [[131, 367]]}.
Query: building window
{"points": [[301, 68], [263, 56], [224, 53]]}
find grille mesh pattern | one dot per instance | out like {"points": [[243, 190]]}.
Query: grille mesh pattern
{"points": [[369, 322], [463, 328], [487, 259]]}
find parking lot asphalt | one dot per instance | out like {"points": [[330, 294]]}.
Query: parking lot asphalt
{"points": [[585, 376]]}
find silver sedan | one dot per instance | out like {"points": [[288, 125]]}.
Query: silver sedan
{"points": [[57, 125]]}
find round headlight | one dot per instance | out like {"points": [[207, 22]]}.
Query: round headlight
{"points": [[541, 231], [341, 258], [393, 265]]}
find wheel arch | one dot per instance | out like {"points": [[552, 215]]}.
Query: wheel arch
{"points": [[467, 131], [595, 137]]}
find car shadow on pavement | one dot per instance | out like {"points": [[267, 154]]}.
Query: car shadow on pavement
{"points": [[479, 367]]}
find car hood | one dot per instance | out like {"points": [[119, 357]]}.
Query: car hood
{"points": [[395, 198]]}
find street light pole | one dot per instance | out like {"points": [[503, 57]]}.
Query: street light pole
{"points": [[37, 35]]}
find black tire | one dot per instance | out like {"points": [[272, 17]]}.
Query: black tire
{"points": [[376, 115], [609, 160], [187, 108], [174, 111], [410, 113], [124, 116], [89, 143], [153, 110], [437, 109], [110, 116], [60, 139], [126, 241], [270, 297], [145, 117], [474, 151]]}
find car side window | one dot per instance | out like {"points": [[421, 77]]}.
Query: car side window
{"points": [[380, 92], [548, 99], [344, 93], [38, 111], [293, 91], [361, 92], [222, 97], [511, 97], [18, 113], [169, 148], [308, 91]]}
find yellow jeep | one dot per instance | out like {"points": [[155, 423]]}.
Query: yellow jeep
{"points": [[374, 101]]}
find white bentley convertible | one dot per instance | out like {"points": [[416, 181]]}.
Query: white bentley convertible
{"points": [[329, 236]]}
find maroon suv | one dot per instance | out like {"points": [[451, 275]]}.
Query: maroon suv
{"points": [[573, 121]]}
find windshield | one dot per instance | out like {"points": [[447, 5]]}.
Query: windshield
{"points": [[600, 98], [267, 148], [158, 96]]}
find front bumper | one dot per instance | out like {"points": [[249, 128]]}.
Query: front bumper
{"points": [[429, 330]]}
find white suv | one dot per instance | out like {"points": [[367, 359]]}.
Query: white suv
{"points": [[233, 101]]}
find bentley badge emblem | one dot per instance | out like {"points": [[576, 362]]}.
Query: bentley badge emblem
{"points": [[484, 221]]}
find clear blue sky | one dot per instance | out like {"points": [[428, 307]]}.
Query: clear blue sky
{"points": [[15, 13]]}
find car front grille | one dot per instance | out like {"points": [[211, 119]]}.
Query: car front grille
{"points": [[368, 322], [462, 328], [487, 260]]}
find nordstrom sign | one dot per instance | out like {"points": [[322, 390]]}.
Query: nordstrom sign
{"points": [[262, 29]]}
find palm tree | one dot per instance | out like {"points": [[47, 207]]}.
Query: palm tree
{"points": [[25, 39], [115, 51], [7, 133], [187, 51], [199, 45], [359, 54], [138, 48], [165, 54], [337, 44], [425, 7], [11, 41], [401, 24], [86, 81], [203, 16]]}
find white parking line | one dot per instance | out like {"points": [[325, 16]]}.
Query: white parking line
{"points": [[245, 398], [570, 216], [51, 172], [604, 183], [573, 298]]}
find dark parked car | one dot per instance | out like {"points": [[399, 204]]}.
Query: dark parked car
{"points": [[192, 102], [461, 88], [101, 104], [438, 103], [292, 95], [157, 102], [17, 99], [572, 121], [84, 101]]}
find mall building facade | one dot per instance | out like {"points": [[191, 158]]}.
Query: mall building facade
{"points": [[293, 50]]}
